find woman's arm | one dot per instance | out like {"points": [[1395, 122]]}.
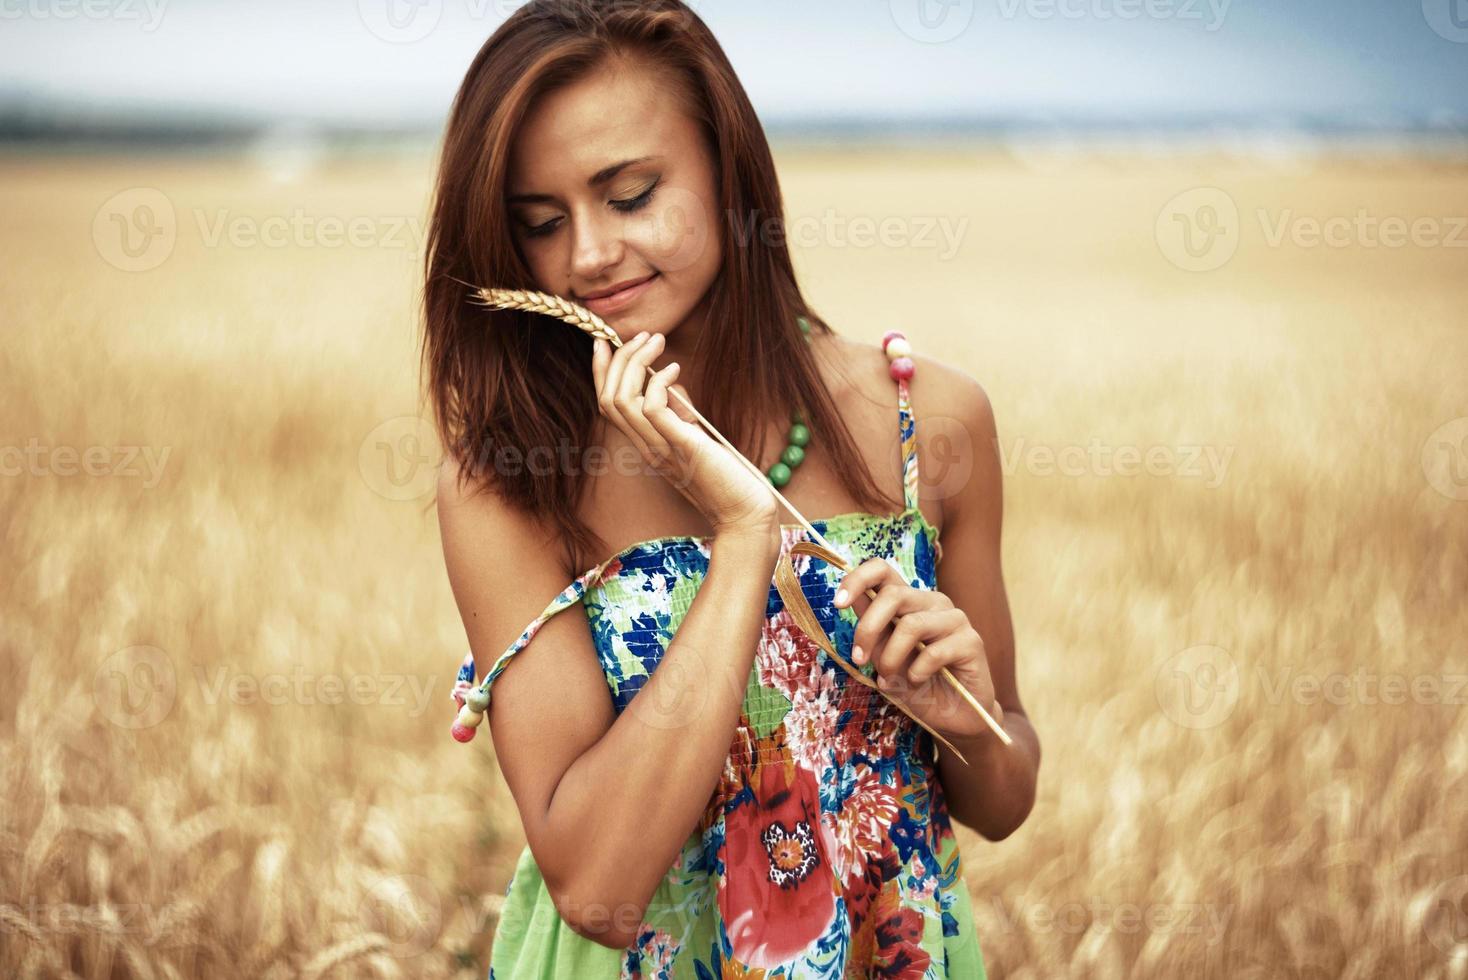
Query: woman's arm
{"points": [[994, 793], [964, 625], [607, 801]]}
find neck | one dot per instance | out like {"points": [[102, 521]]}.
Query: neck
{"points": [[681, 345]]}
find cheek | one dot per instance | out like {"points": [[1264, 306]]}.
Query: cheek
{"points": [[677, 232], [540, 257]]}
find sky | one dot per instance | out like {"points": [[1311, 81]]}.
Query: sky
{"points": [[399, 62]]}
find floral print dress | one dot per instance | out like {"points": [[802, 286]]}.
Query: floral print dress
{"points": [[826, 850]]}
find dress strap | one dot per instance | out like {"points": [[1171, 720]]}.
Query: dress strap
{"points": [[899, 355], [472, 698]]}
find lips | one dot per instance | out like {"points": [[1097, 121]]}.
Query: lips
{"points": [[619, 297], [628, 284]]}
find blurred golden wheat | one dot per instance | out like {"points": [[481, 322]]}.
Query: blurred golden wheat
{"points": [[228, 652]]}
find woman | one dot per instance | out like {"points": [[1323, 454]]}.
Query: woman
{"points": [[705, 791]]}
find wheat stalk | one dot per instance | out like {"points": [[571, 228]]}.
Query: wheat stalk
{"points": [[588, 322]]}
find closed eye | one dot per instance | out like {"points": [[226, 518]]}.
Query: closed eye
{"points": [[640, 201], [625, 205]]}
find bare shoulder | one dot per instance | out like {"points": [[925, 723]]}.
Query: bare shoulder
{"points": [[499, 566], [467, 506], [957, 443], [950, 393], [958, 437], [938, 391]]}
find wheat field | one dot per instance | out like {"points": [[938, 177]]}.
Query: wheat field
{"points": [[1236, 550]]}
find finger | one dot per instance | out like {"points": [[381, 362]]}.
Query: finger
{"points": [[927, 625], [870, 574], [612, 372], [894, 602], [633, 379], [601, 356], [945, 651], [657, 405], [654, 399], [909, 683], [630, 394], [677, 425], [610, 396], [683, 411]]}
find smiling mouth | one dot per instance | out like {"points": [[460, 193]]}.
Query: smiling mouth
{"points": [[606, 305], [617, 292]]}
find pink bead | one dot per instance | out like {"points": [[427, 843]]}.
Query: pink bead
{"points": [[902, 369], [463, 734], [887, 337]]}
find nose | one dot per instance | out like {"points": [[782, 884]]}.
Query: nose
{"points": [[596, 247]]}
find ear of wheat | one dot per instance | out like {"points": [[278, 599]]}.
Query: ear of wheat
{"points": [[588, 322]]}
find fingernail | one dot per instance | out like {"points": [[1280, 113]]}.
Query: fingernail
{"points": [[858, 654], [841, 597], [882, 682]]}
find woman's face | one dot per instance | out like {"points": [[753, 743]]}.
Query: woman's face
{"points": [[611, 185]]}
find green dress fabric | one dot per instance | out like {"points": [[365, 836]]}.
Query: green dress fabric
{"points": [[826, 851]]}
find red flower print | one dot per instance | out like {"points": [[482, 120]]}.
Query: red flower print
{"points": [[854, 835], [900, 955], [777, 896]]}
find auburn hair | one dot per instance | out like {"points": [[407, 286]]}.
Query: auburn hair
{"points": [[510, 381]]}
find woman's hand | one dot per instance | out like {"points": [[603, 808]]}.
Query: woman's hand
{"points": [[888, 629], [728, 495]]}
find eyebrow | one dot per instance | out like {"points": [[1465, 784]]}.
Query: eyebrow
{"points": [[600, 177]]}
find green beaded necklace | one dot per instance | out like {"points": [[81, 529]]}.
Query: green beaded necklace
{"points": [[798, 437]]}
